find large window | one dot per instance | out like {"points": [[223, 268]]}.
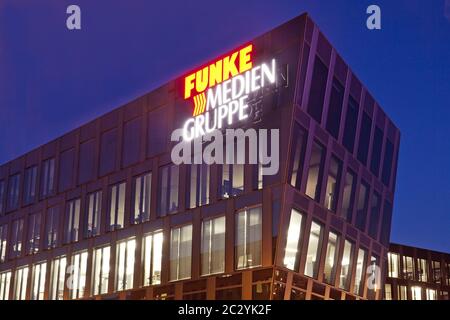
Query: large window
{"points": [[248, 238], [329, 270], [199, 185], [317, 91], [51, 227], [294, 234], [16, 238], [360, 270], [117, 206], [351, 119], [333, 183], [362, 206], [168, 189], [5, 283], [436, 271], [232, 180], [375, 215], [364, 138], [422, 270], [315, 171], [47, 177], [213, 246], [402, 293], [20, 283], [180, 252], [13, 192], [142, 198], [126, 251], [408, 268], [346, 265], [431, 294], [348, 196], [387, 163], [57, 278], [3, 242], [72, 221], [153, 246], [387, 291], [313, 252], [34, 233], [376, 151], [29, 194], [297, 157], [335, 108], [101, 270], [416, 293], [38, 281], [93, 214], [393, 264], [77, 285]]}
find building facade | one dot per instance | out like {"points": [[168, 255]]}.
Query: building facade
{"points": [[417, 274], [102, 213]]}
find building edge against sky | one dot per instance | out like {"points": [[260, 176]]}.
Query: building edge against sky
{"points": [[106, 200]]}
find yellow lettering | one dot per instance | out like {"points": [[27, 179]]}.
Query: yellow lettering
{"points": [[215, 73], [245, 62], [229, 66], [201, 79], [188, 85]]}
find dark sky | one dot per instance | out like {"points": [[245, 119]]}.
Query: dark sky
{"points": [[53, 80]]}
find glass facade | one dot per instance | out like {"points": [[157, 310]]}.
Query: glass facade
{"points": [[180, 252], [213, 246], [248, 238]]}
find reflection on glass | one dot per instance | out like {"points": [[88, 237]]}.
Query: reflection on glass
{"points": [[213, 246], [101, 270], [346, 264], [313, 253], [248, 238], [125, 264], [293, 237], [152, 258], [329, 271], [180, 253]]}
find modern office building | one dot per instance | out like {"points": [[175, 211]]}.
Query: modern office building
{"points": [[102, 213], [417, 274]]}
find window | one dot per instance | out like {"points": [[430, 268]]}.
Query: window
{"points": [[20, 283], [78, 274], [351, 119], [248, 238], [30, 185], [372, 273], [386, 223], [180, 252], [117, 206], [422, 268], [408, 268], [38, 281], [431, 294], [448, 273], [313, 253], [57, 278], [335, 108], [34, 233], [402, 293], [153, 246], [416, 293], [333, 182], [348, 197], [362, 206], [3, 242], [108, 151], [168, 190], [16, 238], [297, 156], [375, 215], [294, 234], [125, 264], [329, 270], [257, 177], [232, 180], [359, 274], [2, 195], [213, 246], [315, 171], [376, 151], [13, 192], [393, 264], [101, 270], [47, 177], [51, 227], [387, 163], [317, 91], [72, 220], [142, 198], [199, 185], [94, 213], [436, 271], [5, 283], [346, 265], [387, 291], [364, 138]]}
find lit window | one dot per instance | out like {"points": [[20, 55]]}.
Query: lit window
{"points": [[153, 245], [393, 264], [431, 294], [5, 283], [38, 281], [47, 177], [248, 238], [13, 192], [117, 206], [78, 275], [360, 267], [3, 239], [298, 156], [125, 264], [348, 197], [34, 233], [422, 268], [168, 190], [294, 233], [101, 270], [57, 278], [402, 293], [16, 238], [436, 271], [20, 283], [333, 182], [372, 273], [232, 180], [199, 185], [346, 265], [213, 246], [329, 271], [72, 220], [315, 173], [314, 247], [51, 227], [387, 291], [142, 198], [408, 268], [30, 185], [257, 178], [180, 252], [94, 212], [416, 293]]}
